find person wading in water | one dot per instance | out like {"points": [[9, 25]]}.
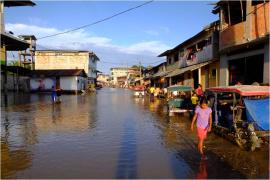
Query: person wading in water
{"points": [[203, 115]]}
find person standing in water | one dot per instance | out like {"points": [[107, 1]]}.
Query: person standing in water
{"points": [[53, 94], [203, 116]]}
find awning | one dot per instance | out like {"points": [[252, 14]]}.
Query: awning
{"points": [[16, 69], [160, 74], [58, 72], [13, 43], [12, 3], [177, 72]]}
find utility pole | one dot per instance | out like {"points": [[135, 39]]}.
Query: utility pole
{"points": [[140, 69]]}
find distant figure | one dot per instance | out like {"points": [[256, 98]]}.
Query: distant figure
{"points": [[58, 94], [53, 94], [199, 90], [152, 90], [203, 115]]}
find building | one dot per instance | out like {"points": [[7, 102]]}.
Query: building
{"points": [[118, 72], [9, 42], [69, 80], [195, 61], [243, 41], [68, 59], [26, 57], [156, 75], [103, 79]]}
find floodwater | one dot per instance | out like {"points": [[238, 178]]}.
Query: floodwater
{"points": [[110, 134]]}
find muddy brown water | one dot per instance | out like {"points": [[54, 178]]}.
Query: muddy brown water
{"points": [[110, 134]]}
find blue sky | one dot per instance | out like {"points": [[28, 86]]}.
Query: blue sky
{"points": [[139, 35]]}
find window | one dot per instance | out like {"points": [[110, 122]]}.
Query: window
{"points": [[234, 12]]}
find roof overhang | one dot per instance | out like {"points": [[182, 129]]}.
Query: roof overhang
{"points": [[58, 73], [13, 43], [11, 3], [180, 71], [16, 69]]}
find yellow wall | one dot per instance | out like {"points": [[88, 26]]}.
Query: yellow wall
{"points": [[62, 60], [212, 80], [3, 54]]}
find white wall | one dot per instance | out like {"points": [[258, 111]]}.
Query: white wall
{"points": [[45, 83], [68, 83]]}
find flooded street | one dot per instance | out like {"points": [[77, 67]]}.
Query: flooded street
{"points": [[110, 134]]}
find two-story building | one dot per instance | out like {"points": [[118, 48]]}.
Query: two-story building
{"points": [[243, 41], [71, 60], [157, 75], [195, 61]]}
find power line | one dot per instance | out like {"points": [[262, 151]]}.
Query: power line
{"points": [[99, 21]]}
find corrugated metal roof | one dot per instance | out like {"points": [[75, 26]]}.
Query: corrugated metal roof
{"points": [[188, 68], [58, 72], [160, 74]]}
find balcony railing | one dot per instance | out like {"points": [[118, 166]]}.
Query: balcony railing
{"points": [[206, 54]]}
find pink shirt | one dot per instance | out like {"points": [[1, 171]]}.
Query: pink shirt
{"points": [[203, 116]]}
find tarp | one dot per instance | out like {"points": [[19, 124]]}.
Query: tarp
{"points": [[258, 111]]}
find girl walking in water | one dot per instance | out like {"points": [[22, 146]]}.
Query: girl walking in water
{"points": [[203, 115]]}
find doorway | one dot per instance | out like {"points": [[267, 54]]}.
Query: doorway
{"points": [[195, 75]]}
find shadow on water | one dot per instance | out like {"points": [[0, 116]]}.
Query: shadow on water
{"points": [[127, 160]]}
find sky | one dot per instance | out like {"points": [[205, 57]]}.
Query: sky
{"points": [[136, 36]]}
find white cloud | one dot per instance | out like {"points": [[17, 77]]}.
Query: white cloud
{"points": [[104, 47]]}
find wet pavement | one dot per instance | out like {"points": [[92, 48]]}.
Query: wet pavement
{"points": [[110, 134]]}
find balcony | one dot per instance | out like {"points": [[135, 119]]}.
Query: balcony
{"points": [[206, 54]]}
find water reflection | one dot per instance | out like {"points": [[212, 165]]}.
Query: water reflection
{"points": [[202, 172], [13, 161], [127, 161], [111, 134]]}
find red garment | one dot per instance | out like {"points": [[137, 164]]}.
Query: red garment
{"points": [[201, 133], [199, 91]]}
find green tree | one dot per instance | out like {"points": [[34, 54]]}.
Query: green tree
{"points": [[14, 63]]}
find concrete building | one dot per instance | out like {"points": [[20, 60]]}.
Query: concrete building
{"points": [[68, 59], [243, 41], [118, 72], [195, 61], [9, 42], [103, 79]]}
